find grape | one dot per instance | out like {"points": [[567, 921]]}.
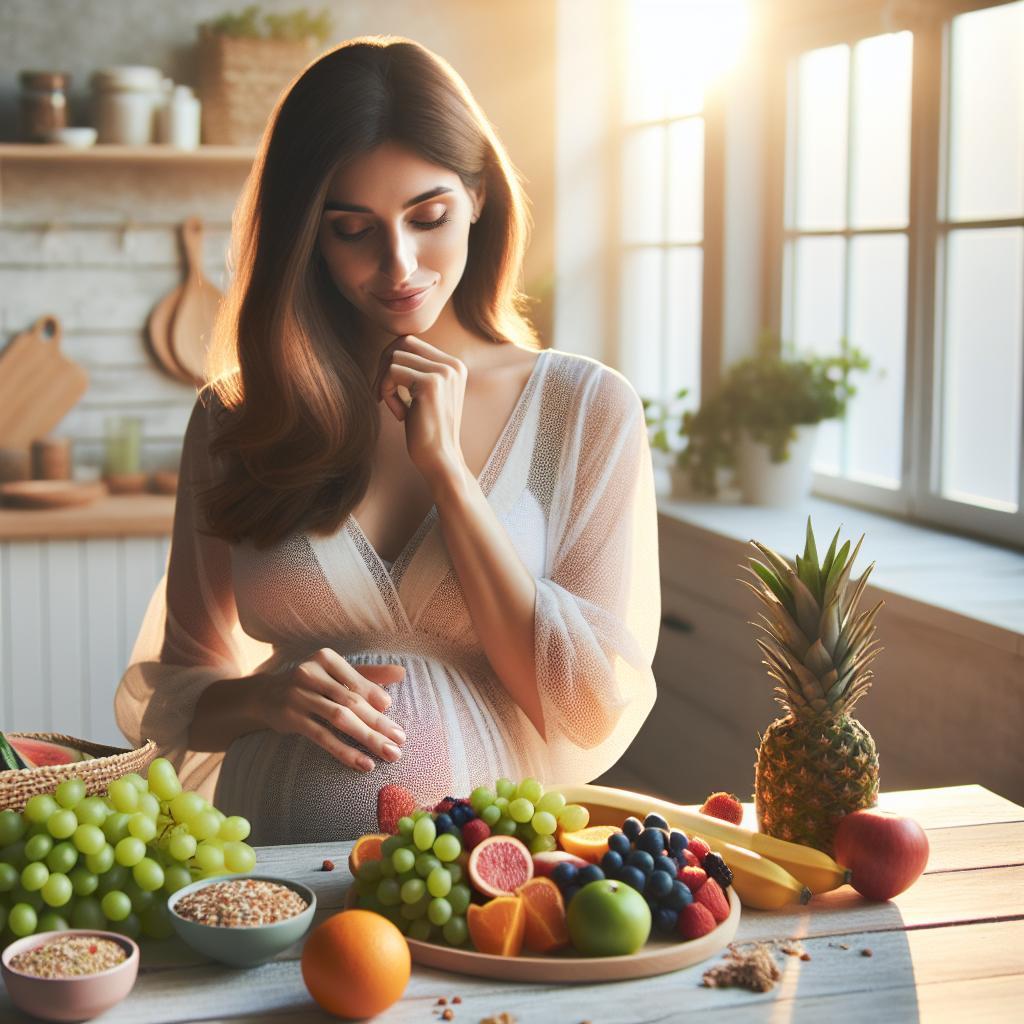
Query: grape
{"points": [[418, 813], [115, 828], [91, 811], [405, 827], [140, 825], [209, 858], [459, 898], [114, 879], [137, 781], [425, 863], [70, 792], [83, 881], [490, 814], [370, 871], [163, 779], [480, 798], [239, 857], [544, 823], [412, 911], [63, 857], [413, 890], [61, 824], [542, 844], [14, 854], [156, 922], [236, 829], [439, 911], [87, 913], [176, 877], [149, 806], [98, 863], [38, 847], [439, 883], [51, 921], [148, 875], [421, 930], [129, 851], [455, 870], [447, 847], [424, 833], [90, 838], [34, 876], [387, 869], [182, 846], [552, 802], [574, 817], [205, 825], [39, 808], [57, 890], [505, 788], [455, 931], [124, 796], [520, 810], [130, 926], [389, 846], [389, 892], [503, 827], [403, 859], [12, 827], [22, 919], [530, 789], [8, 877], [115, 905], [501, 802], [19, 894], [185, 806]]}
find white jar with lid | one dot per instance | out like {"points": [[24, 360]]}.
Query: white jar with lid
{"points": [[127, 98], [179, 118]]}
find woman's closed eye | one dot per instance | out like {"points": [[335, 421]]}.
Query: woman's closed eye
{"points": [[422, 225]]}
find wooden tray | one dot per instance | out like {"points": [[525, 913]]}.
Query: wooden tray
{"points": [[658, 956], [50, 493]]}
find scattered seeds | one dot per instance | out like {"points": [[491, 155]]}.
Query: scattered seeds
{"points": [[501, 1018], [241, 903], [755, 970], [866, 952], [448, 1014], [456, 999], [328, 865], [70, 956], [805, 956], [442, 1001]]}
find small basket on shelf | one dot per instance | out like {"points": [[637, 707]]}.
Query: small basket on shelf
{"points": [[107, 763]]}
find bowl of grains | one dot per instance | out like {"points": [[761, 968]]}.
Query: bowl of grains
{"points": [[69, 975], [242, 920]]}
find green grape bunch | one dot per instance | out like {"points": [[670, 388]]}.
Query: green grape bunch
{"points": [[69, 860]]}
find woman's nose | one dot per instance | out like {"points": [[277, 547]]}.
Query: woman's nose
{"points": [[398, 261]]}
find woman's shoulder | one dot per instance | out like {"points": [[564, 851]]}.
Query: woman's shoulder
{"points": [[595, 384]]}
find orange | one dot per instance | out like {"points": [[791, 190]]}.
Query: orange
{"points": [[366, 848], [498, 926], [590, 843], [356, 964], [546, 927]]}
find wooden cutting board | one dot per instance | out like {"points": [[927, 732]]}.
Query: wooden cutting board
{"points": [[192, 325], [38, 384]]}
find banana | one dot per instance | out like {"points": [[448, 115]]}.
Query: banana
{"points": [[813, 868], [759, 882]]}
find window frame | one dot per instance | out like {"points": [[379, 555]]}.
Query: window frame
{"points": [[917, 498]]}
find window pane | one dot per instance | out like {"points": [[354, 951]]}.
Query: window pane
{"points": [[817, 319], [640, 321], [880, 154], [822, 82], [982, 367], [644, 93], [685, 283], [642, 185], [878, 310], [986, 173], [686, 180]]}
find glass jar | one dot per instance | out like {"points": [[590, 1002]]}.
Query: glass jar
{"points": [[44, 104]]}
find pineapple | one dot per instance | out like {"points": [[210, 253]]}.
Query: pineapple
{"points": [[816, 763]]}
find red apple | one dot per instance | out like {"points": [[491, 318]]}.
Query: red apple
{"points": [[545, 863], [885, 852]]}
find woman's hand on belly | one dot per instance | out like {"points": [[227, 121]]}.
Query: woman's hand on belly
{"points": [[349, 697]]}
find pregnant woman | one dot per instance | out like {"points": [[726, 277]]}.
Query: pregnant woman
{"points": [[410, 545]]}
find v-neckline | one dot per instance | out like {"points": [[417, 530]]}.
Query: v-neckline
{"points": [[485, 479]]}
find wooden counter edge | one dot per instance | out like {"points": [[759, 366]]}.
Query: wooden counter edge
{"points": [[117, 515]]}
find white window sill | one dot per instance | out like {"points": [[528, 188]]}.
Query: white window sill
{"points": [[962, 586]]}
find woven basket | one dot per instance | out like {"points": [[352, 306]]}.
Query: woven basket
{"points": [[109, 763], [241, 80]]}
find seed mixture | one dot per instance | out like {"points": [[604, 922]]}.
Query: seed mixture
{"points": [[240, 903], [70, 956], [755, 970]]}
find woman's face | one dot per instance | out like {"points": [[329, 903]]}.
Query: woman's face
{"points": [[380, 237]]}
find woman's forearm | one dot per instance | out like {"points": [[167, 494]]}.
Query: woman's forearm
{"points": [[227, 709]]}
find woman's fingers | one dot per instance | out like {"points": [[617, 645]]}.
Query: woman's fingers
{"points": [[350, 721], [367, 680], [351, 707], [323, 737]]}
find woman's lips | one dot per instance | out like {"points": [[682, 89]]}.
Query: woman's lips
{"points": [[405, 305]]}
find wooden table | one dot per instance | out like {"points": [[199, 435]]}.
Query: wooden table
{"points": [[950, 948]]}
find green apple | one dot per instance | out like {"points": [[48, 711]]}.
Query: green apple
{"points": [[608, 918]]}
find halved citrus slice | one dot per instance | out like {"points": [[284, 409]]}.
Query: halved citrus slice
{"points": [[366, 848], [498, 926], [590, 843], [546, 928]]}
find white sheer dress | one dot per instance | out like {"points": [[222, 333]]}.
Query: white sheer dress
{"points": [[570, 478]]}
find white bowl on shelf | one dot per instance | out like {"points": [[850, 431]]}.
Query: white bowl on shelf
{"points": [[79, 138]]}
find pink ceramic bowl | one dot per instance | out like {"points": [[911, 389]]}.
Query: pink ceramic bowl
{"points": [[69, 999]]}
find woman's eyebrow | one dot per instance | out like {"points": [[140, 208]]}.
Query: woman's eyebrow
{"points": [[352, 208]]}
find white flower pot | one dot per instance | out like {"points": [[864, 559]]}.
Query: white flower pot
{"points": [[763, 482]]}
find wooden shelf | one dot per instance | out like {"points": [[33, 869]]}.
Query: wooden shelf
{"points": [[155, 153], [117, 515]]}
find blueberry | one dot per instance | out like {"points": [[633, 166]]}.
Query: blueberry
{"points": [[655, 821], [666, 920], [652, 903], [461, 814], [611, 862], [444, 823], [717, 869], [659, 885], [591, 873], [568, 892], [632, 828], [642, 860], [679, 896], [564, 874], [677, 841], [633, 877], [619, 843], [666, 864], [652, 840]]}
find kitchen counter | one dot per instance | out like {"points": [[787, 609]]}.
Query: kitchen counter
{"points": [[116, 515]]}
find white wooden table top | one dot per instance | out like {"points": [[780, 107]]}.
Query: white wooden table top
{"points": [[951, 947]]}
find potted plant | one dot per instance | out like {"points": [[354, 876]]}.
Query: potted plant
{"points": [[762, 421], [661, 417]]}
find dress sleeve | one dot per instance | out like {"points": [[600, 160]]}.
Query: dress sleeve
{"points": [[598, 612], [190, 634]]}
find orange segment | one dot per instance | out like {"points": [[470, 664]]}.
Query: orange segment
{"points": [[590, 843], [498, 926], [546, 927], [366, 848]]}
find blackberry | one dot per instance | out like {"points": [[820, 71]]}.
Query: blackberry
{"points": [[717, 869]]}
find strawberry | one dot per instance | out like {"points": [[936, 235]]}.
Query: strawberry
{"points": [[711, 896], [724, 806], [692, 860], [393, 802], [445, 805], [699, 849], [476, 830], [695, 920], [693, 877]]}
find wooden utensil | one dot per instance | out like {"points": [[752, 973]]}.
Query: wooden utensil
{"points": [[158, 330], [50, 493], [192, 325], [38, 384]]}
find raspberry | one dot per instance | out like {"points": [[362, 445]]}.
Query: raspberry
{"points": [[476, 830], [693, 878], [691, 858], [711, 896], [699, 848], [724, 806], [393, 802], [445, 805], [695, 920]]}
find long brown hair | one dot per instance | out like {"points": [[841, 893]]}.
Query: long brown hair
{"points": [[297, 422]]}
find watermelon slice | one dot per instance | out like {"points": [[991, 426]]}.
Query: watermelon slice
{"points": [[36, 753], [9, 757]]}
